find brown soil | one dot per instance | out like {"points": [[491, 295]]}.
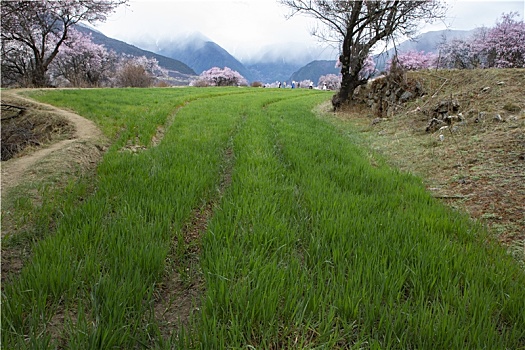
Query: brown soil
{"points": [[75, 128], [476, 165], [61, 147], [177, 297]]}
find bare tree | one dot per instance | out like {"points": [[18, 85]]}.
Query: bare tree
{"points": [[359, 25], [33, 31]]}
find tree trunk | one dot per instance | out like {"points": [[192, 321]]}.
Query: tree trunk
{"points": [[350, 80], [347, 87], [39, 78]]}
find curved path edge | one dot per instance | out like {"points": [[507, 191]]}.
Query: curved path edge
{"points": [[14, 170]]}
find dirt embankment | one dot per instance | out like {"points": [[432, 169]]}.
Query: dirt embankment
{"points": [[47, 148], [42, 130], [463, 132]]}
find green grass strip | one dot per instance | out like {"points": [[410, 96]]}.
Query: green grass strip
{"points": [[315, 247], [311, 246], [101, 265]]}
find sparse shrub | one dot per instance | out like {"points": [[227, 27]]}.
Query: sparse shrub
{"points": [[199, 83], [256, 84], [162, 84], [132, 75], [138, 72]]}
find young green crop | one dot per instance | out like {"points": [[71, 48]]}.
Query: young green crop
{"points": [[106, 255], [310, 246], [315, 247]]}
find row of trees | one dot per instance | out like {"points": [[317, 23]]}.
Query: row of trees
{"points": [[33, 33], [79, 63], [359, 26], [40, 47], [502, 46], [82, 63]]}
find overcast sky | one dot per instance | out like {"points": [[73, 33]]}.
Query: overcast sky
{"points": [[245, 27]]}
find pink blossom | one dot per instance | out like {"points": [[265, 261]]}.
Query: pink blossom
{"points": [[369, 68], [331, 81], [216, 76], [505, 43], [81, 62], [502, 46], [414, 60]]}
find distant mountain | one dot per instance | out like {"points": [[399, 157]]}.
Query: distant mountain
{"points": [[278, 61], [427, 42], [269, 72], [266, 64], [197, 51], [314, 70], [176, 68]]}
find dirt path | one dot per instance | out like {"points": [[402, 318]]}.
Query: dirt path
{"points": [[14, 170]]}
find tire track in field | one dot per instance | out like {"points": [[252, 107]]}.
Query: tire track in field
{"points": [[178, 296]]}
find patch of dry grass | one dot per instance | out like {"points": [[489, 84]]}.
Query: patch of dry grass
{"points": [[31, 129], [476, 165]]}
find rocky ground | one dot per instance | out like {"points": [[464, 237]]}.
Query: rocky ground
{"points": [[473, 158]]}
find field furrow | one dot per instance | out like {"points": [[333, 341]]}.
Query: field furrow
{"points": [[255, 223]]}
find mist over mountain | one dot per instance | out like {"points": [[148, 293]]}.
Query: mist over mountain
{"points": [[427, 42], [188, 54], [266, 64], [277, 62], [121, 47], [290, 52], [196, 50]]}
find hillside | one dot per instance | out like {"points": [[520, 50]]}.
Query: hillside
{"points": [[314, 70], [199, 52], [477, 163], [125, 48]]}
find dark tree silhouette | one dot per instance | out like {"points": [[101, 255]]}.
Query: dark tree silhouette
{"points": [[33, 31], [359, 25]]}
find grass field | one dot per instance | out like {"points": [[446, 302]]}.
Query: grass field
{"points": [[268, 223]]}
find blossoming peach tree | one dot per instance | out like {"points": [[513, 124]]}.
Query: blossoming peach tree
{"points": [[502, 46], [34, 31], [216, 76]]}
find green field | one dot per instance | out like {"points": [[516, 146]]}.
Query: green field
{"points": [[284, 234]]}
